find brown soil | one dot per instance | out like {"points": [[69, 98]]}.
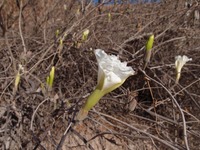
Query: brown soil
{"points": [[32, 119]]}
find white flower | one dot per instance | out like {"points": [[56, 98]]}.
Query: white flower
{"points": [[111, 74], [179, 63], [111, 71]]}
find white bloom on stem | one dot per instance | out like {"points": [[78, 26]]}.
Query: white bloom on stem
{"points": [[111, 71], [111, 74], [179, 63]]}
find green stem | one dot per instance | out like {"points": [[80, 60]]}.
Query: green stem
{"points": [[178, 75], [93, 99]]}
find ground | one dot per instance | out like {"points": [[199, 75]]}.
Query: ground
{"points": [[149, 111]]}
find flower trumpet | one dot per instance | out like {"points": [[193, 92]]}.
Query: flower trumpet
{"points": [[111, 74], [179, 63]]}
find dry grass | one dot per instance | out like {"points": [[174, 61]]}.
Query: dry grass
{"points": [[165, 112]]}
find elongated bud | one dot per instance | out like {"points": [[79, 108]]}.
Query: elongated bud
{"points": [[57, 33], [51, 77], [85, 35], [17, 79], [149, 46], [61, 42], [109, 17], [65, 7]]}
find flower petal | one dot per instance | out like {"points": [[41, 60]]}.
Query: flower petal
{"points": [[111, 79], [180, 62], [111, 70]]}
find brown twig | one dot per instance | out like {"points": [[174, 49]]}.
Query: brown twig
{"points": [[20, 31], [34, 113], [59, 146], [178, 106], [139, 130]]}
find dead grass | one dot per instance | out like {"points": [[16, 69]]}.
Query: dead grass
{"points": [[158, 119]]}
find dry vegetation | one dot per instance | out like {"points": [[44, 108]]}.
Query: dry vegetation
{"points": [[30, 119]]}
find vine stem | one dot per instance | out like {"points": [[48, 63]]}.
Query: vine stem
{"points": [[178, 106]]}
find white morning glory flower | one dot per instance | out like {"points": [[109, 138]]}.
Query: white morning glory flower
{"points": [[111, 74], [111, 71], [179, 63]]}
